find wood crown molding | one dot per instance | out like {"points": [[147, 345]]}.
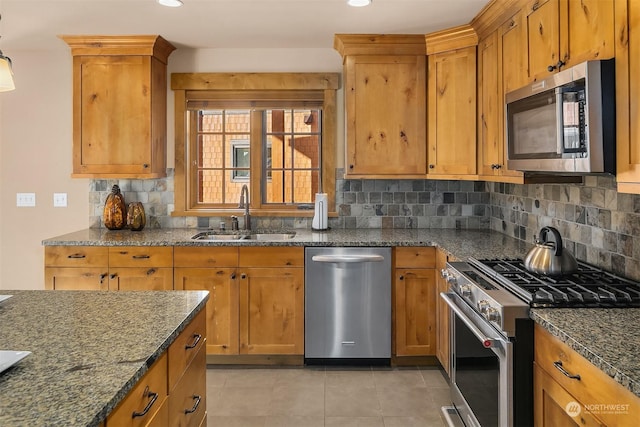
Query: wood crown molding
{"points": [[255, 81], [379, 44], [452, 38], [494, 14], [149, 45]]}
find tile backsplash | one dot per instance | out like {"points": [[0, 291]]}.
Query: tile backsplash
{"points": [[598, 224]]}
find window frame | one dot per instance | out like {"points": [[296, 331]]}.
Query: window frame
{"points": [[259, 88]]}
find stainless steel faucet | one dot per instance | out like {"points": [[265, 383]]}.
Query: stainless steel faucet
{"points": [[244, 204]]}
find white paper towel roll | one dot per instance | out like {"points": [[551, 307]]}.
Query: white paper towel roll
{"points": [[321, 212]]}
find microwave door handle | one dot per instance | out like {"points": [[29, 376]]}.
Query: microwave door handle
{"points": [[560, 118]]}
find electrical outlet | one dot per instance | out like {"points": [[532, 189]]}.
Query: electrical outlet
{"points": [[59, 200], [26, 200]]}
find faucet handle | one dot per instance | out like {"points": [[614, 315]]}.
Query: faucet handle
{"points": [[234, 223]]}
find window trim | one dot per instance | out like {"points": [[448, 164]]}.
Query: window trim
{"points": [[192, 86]]}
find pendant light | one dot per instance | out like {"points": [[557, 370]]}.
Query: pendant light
{"points": [[6, 73], [359, 3]]}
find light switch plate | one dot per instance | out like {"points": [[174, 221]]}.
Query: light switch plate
{"points": [[26, 200], [59, 200]]}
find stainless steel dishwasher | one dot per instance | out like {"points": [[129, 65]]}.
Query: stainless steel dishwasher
{"points": [[347, 305]]}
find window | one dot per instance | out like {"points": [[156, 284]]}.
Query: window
{"points": [[278, 138]]}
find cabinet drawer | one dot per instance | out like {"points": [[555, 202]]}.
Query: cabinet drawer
{"points": [[76, 256], [594, 386], [188, 400], [139, 398], [271, 257], [185, 347], [416, 257], [141, 256], [205, 257]]}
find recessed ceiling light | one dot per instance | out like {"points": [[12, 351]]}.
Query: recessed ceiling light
{"points": [[170, 3], [359, 3]]}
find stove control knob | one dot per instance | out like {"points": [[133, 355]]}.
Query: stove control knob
{"points": [[444, 273], [492, 314], [465, 290], [452, 280], [483, 306]]}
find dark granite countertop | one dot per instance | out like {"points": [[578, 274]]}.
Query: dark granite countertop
{"points": [[608, 338], [89, 348], [460, 243]]}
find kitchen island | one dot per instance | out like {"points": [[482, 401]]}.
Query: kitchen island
{"points": [[89, 349]]}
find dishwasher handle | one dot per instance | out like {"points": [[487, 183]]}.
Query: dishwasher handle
{"points": [[347, 258]]}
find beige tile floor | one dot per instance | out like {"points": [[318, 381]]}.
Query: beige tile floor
{"points": [[325, 396]]}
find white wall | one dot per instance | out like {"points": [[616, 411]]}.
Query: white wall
{"points": [[36, 143]]}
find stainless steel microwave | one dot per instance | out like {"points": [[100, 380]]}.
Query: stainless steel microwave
{"points": [[564, 123]]}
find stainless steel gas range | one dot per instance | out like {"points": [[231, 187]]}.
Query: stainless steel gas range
{"points": [[492, 333]]}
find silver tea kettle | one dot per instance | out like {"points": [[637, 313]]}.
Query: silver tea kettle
{"points": [[550, 258]]}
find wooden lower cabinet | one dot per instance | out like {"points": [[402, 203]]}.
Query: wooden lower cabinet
{"points": [[569, 390], [553, 404], [173, 392], [272, 311], [414, 290], [76, 268], [443, 315], [256, 297], [141, 279]]}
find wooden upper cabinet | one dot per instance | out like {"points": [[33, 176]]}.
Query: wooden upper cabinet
{"points": [[119, 106], [563, 33], [385, 104], [513, 34], [451, 89], [627, 52]]}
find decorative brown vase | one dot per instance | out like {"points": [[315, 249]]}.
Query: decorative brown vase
{"points": [[136, 218], [115, 210]]}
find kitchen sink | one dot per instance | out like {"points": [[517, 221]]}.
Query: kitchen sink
{"points": [[263, 235], [212, 235]]}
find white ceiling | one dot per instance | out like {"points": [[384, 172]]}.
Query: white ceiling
{"points": [[34, 24]]}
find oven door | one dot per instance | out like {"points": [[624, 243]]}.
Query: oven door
{"points": [[481, 368]]}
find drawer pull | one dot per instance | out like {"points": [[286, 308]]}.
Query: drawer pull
{"points": [[196, 340], [195, 405], [102, 276], [558, 365], [153, 397], [140, 257], [77, 256]]}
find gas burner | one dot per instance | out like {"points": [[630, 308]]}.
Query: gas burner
{"points": [[587, 287]]}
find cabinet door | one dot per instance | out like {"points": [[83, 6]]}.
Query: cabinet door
{"points": [[590, 30], [555, 407], [113, 94], [222, 306], [543, 35], [515, 73], [627, 95], [141, 279], [188, 400], [415, 312], [272, 311], [71, 278], [452, 113], [385, 109], [442, 313], [490, 106]]}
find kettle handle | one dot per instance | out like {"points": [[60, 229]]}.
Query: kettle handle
{"points": [[556, 237]]}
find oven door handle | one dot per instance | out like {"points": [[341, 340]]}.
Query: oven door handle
{"points": [[487, 342]]}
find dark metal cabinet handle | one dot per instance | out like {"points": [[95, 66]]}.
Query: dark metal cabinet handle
{"points": [[432, 166], [243, 276], [145, 165], [153, 397], [151, 271], [102, 276], [401, 277], [77, 256], [113, 275], [559, 367], [195, 405], [350, 166], [233, 276], [141, 257], [196, 340], [559, 65]]}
